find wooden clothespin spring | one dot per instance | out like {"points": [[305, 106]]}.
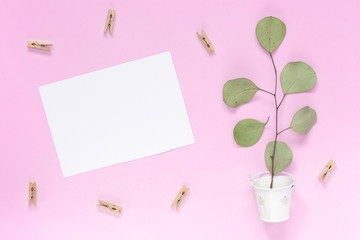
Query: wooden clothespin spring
{"points": [[205, 40], [109, 206], [184, 190], [327, 170], [32, 193]]}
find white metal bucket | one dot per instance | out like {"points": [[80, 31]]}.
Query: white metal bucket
{"points": [[274, 204]]}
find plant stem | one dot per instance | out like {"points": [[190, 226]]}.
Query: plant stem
{"points": [[276, 131], [283, 130], [266, 91], [267, 121], [281, 101]]}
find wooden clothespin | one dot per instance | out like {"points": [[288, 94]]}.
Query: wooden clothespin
{"points": [[39, 45], [327, 170], [32, 193], [110, 21], [205, 40], [180, 197], [109, 206]]}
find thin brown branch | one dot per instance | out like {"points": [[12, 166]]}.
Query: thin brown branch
{"points": [[281, 101], [266, 91], [276, 129], [283, 130]]}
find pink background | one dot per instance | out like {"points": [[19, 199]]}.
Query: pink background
{"points": [[221, 203]]}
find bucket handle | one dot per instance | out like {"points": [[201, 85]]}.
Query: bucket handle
{"points": [[251, 178]]}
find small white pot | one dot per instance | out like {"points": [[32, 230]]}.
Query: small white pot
{"points": [[274, 204]]}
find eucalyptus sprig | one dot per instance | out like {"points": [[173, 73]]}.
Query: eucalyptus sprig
{"points": [[296, 77]]}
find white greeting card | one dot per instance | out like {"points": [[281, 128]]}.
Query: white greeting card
{"points": [[118, 114]]}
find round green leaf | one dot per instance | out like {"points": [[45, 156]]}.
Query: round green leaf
{"points": [[297, 77], [303, 120], [247, 132], [238, 91], [270, 32], [283, 156]]}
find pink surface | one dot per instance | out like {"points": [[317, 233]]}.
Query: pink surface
{"points": [[221, 204]]}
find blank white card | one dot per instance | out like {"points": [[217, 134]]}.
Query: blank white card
{"points": [[118, 114]]}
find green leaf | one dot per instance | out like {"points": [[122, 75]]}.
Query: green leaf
{"points": [[297, 77], [239, 91], [303, 120], [247, 132], [270, 32], [283, 156]]}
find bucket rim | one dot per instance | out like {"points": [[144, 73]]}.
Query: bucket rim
{"points": [[257, 176]]}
